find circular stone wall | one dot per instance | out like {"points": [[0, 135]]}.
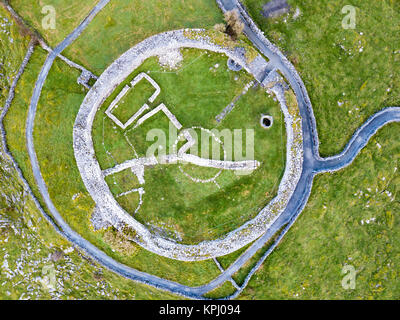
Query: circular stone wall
{"points": [[106, 205]]}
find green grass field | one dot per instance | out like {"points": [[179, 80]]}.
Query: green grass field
{"points": [[349, 74], [125, 23], [352, 216], [26, 240], [345, 90], [351, 219], [58, 162], [195, 94]]}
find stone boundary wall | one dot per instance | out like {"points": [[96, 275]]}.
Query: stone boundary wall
{"points": [[99, 190], [286, 62], [35, 35], [4, 152]]}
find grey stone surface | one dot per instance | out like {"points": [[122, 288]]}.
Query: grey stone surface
{"points": [[232, 65], [85, 77]]}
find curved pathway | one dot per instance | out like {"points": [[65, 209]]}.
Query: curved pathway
{"points": [[313, 163], [93, 177], [358, 141]]}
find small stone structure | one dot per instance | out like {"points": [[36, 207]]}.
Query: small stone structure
{"points": [[123, 93], [85, 77]]}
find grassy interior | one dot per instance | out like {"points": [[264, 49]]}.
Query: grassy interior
{"points": [[195, 93]]}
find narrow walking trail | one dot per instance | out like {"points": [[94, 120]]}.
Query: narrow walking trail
{"points": [[312, 164]]}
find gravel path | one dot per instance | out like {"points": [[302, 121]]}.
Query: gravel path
{"points": [[312, 165]]}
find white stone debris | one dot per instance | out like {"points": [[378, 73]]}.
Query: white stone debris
{"points": [[69, 250], [297, 13], [75, 196], [171, 59]]}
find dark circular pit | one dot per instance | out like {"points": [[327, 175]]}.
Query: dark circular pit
{"points": [[266, 121]]}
